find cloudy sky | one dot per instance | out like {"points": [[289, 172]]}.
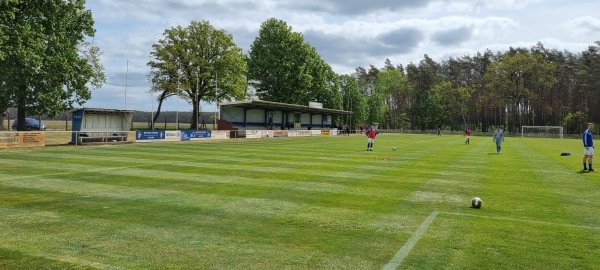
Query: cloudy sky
{"points": [[346, 33]]}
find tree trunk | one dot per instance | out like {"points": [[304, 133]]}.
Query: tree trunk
{"points": [[195, 112], [162, 97], [21, 109]]}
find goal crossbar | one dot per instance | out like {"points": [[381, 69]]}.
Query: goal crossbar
{"points": [[542, 131]]}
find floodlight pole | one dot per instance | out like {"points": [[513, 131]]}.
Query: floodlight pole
{"points": [[177, 113], [126, 80], [216, 98], [196, 93], [152, 111]]}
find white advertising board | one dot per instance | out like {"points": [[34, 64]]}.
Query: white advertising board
{"points": [[172, 135], [220, 134]]}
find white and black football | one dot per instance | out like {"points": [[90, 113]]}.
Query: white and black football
{"points": [[476, 202]]}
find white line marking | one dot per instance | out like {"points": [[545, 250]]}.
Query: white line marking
{"points": [[414, 238], [524, 220], [412, 241]]}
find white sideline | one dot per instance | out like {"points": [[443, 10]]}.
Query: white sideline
{"points": [[414, 238], [412, 241], [524, 220]]}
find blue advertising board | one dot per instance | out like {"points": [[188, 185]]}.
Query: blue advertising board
{"points": [[77, 118], [149, 135], [187, 135]]}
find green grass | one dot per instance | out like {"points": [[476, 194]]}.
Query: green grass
{"points": [[300, 203]]}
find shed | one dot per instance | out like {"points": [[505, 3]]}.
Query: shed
{"points": [[101, 125]]}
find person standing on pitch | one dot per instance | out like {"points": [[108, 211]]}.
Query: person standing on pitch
{"points": [[468, 135], [588, 144], [371, 133], [498, 138]]}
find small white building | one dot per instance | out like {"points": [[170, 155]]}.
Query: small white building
{"points": [[258, 114], [101, 125]]}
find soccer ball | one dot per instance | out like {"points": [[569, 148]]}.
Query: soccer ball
{"points": [[476, 202], [393, 148]]}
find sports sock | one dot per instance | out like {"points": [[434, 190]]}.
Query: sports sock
{"points": [[584, 167], [590, 166]]}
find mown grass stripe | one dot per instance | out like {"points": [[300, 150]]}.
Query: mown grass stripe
{"points": [[67, 259], [323, 202]]}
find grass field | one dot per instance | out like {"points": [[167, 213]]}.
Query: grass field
{"points": [[300, 203]]}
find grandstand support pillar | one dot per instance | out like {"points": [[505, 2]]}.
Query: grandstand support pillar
{"points": [[265, 118], [245, 117]]}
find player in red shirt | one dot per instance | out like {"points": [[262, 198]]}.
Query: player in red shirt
{"points": [[371, 133], [468, 135]]}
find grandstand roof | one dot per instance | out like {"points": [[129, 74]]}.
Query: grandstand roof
{"points": [[289, 108]]}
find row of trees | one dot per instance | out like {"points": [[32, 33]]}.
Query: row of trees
{"points": [[199, 62], [535, 86], [47, 66], [522, 86]]}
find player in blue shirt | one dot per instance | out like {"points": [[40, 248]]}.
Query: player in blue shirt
{"points": [[588, 144], [498, 138]]}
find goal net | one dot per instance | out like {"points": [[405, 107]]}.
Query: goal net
{"points": [[542, 131]]}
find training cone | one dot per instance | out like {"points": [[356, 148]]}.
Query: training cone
{"points": [[384, 159], [375, 157], [390, 158]]}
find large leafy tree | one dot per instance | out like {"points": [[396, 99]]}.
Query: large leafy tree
{"points": [[324, 82], [449, 102], [277, 63], [197, 63], [517, 79], [284, 68], [46, 60]]}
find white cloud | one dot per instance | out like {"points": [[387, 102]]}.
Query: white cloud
{"points": [[583, 26], [347, 33]]}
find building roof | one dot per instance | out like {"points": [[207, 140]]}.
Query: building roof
{"points": [[288, 108], [104, 111]]}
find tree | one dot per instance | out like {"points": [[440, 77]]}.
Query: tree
{"points": [[354, 100], [449, 102], [46, 60], [515, 79], [392, 86], [422, 78], [192, 62], [367, 82], [590, 61], [277, 63], [283, 68], [324, 83]]}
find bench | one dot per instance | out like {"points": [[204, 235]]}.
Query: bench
{"points": [[84, 138]]}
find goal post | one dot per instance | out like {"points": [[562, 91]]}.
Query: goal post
{"points": [[542, 131]]}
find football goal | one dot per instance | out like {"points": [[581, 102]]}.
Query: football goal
{"points": [[542, 131]]}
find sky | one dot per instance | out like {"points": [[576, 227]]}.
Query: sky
{"points": [[346, 33]]}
